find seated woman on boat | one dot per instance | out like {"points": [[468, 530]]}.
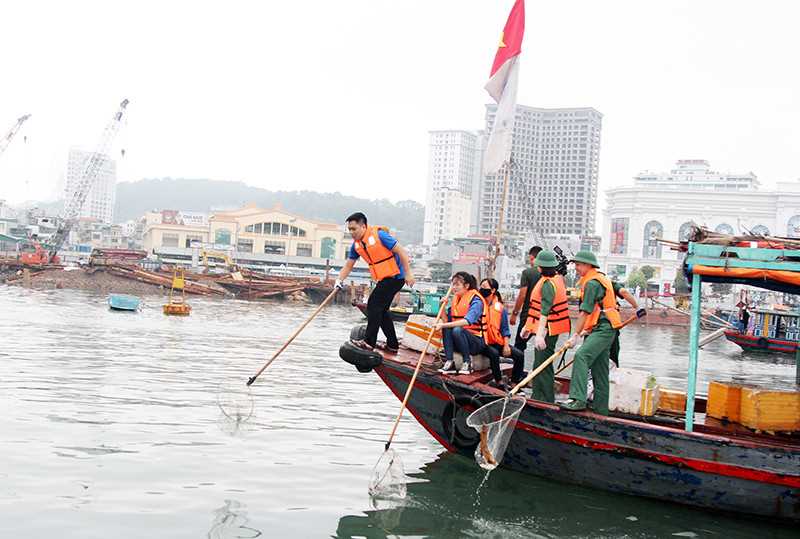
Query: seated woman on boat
{"points": [[498, 333], [465, 329]]}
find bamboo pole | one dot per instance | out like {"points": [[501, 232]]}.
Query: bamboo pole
{"points": [[500, 218]]}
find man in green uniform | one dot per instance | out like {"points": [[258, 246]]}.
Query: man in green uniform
{"points": [[594, 352], [547, 320], [530, 276]]}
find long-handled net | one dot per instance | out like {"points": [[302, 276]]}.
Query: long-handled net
{"points": [[495, 423], [235, 401]]}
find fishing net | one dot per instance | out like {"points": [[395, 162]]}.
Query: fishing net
{"points": [[236, 402], [388, 479], [495, 423]]}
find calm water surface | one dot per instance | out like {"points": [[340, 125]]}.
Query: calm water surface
{"points": [[110, 428]]}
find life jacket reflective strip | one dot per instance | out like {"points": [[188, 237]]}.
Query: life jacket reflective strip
{"points": [[558, 318], [382, 263], [460, 308], [609, 305], [494, 320]]}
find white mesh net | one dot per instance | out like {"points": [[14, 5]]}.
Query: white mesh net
{"points": [[235, 401], [388, 477], [495, 423]]}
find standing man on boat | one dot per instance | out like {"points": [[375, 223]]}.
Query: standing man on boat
{"points": [[598, 319], [548, 318], [530, 276], [390, 269]]}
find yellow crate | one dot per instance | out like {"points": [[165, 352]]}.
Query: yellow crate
{"points": [[724, 400], [770, 410], [649, 403], [672, 401]]}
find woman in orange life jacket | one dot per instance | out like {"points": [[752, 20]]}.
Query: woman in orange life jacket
{"points": [[388, 267], [498, 333], [465, 328]]}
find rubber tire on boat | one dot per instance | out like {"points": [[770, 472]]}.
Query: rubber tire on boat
{"points": [[663, 314], [457, 432], [762, 343], [358, 332], [363, 360]]}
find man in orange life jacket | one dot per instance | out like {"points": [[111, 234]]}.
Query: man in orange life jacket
{"points": [[388, 267], [466, 323], [548, 318], [599, 317]]}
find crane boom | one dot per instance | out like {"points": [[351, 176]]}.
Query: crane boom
{"points": [[73, 205], [6, 140]]}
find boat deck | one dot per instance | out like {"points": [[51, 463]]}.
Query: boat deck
{"points": [[704, 425]]}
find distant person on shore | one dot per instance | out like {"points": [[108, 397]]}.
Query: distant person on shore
{"points": [[465, 329], [498, 335], [390, 269], [530, 276]]}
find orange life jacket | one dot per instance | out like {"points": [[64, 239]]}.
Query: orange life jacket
{"points": [[558, 317], [493, 320], [382, 263], [609, 305], [460, 307]]}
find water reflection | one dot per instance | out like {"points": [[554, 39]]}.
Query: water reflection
{"points": [[440, 504], [230, 521]]}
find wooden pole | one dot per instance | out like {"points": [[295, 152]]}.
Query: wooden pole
{"points": [[694, 335], [499, 233], [571, 361], [296, 333], [419, 364]]}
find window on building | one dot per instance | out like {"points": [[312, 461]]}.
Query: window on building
{"points": [[304, 249], [274, 248], [258, 228], [653, 231], [685, 231], [328, 248], [724, 228], [249, 228], [168, 239], [192, 238], [760, 230], [244, 246], [793, 227]]}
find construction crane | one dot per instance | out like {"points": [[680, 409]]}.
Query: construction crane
{"points": [[73, 205], [6, 140]]}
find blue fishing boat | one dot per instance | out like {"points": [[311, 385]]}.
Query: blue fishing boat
{"points": [[688, 459], [123, 302]]}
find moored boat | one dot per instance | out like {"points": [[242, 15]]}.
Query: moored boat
{"points": [[769, 331], [123, 302], [690, 458]]}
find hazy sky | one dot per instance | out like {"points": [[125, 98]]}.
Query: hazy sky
{"points": [[339, 95]]}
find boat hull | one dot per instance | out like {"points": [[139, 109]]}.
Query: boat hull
{"points": [[122, 302], [614, 454], [761, 344]]}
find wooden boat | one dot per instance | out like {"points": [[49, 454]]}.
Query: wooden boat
{"points": [[418, 303], [177, 305], [692, 460], [123, 302], [771, 331]]}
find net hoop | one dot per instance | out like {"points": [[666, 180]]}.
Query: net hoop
{"points": [[388, 479], [495, 423], [236, 402]]}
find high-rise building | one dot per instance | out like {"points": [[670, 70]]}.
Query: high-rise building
{"points": [[453, 165], [99, 204], [553, 178]]}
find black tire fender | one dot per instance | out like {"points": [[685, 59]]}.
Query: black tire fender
{"points": [[358, 332], [362, 360], [454, 422]]}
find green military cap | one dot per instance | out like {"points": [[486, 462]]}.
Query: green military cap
{"points": [[587, 257], [546, 259]]}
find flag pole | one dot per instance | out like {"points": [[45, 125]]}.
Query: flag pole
{"points": [[507, 167]]}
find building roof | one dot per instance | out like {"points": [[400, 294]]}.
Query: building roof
{"points": [[252, 209]]}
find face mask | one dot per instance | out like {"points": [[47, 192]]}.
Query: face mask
{"points": [[485, 292]]}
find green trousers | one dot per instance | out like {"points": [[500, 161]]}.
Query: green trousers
{"points": [[543, 389], [593, 356]]}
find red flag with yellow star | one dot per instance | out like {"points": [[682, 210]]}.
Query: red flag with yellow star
{"points": [[502, 86]]}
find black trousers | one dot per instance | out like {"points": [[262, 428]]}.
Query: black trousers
{"points": [[378, 311], [495, 351]]}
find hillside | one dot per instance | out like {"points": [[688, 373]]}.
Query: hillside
{"points": [[405, 218]]}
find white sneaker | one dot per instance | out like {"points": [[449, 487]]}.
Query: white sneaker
{"points": [[448, 367], [466, 368]]}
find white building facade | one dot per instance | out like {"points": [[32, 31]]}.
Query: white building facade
{"points": [[453, 166], [99, 204], [667, 205], [553, 181]]}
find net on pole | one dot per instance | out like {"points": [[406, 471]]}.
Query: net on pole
{"points": [[235, 401], [495, 423], [388, 477]]}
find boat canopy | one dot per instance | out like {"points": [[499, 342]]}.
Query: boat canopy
{"points": [[730, 259]]}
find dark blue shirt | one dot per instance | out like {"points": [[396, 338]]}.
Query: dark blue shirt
{"points": [[389, 242]]}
